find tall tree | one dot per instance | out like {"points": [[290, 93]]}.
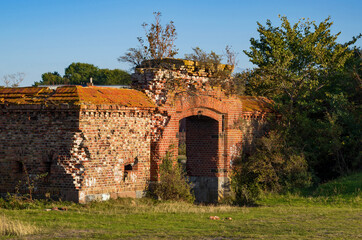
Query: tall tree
{"points": [[295, 62], [158, 43], [307, 73]]}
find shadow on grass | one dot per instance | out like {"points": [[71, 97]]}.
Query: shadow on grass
{"points": [[341, 191]]}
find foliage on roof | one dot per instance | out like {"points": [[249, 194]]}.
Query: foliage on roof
{"points": [[191, 67], [256, 104], [76, 95]]}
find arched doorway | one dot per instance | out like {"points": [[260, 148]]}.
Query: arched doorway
{"points": [[201, 136]]}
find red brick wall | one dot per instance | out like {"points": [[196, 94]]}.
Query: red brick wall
{"points": [[113, 139], [41, 138], [88, 149], [83, 151], [179, 102]]}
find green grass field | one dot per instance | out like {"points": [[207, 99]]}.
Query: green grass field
{"points": [[333, 211]]}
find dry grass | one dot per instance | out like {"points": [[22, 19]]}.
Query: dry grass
{"points": [[15, 228], [333, 212], [286, 218], [179, 207], [140, 206]]}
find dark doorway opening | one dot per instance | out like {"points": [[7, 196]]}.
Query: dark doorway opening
{"points": [[198, 135]]}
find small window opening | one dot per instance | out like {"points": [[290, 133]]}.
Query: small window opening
{"points": [[128, 167], [19, 167]]}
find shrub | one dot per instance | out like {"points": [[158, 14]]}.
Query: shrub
{"points": [[15, 202], [273, 167], [173, 184]]}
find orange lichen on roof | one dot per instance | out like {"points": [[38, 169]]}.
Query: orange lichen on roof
{"points": [[123, 97], [256, 104], [77, 95], [26, 95], [67, 94]]}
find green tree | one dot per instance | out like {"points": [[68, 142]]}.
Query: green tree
{"points": [[80, 74], [112, 77], [51, 78], [310, 77], [295, 62]]}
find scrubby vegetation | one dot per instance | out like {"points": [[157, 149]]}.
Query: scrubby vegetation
{"points": [[290, 178], [315, 83], [274, 167], [173, 183], [331, 211]]}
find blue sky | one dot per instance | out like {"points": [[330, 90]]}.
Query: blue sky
{"points": [[39, 36]]}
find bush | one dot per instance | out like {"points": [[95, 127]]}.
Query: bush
{"points": [[273, 167], [173, 184], [245, 189]]}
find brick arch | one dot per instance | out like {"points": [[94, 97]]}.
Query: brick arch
{"points": [[200, 111], [192, 95], [185, 103], [205, 146], [211, 177]]}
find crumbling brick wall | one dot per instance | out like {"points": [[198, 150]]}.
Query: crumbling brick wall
{"points": [[117, 146], [97, 143], [83, 151], [39, 141], [184, 89]]}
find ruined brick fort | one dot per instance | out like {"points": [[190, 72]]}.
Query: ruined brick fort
{"points": [[95, 143]]}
